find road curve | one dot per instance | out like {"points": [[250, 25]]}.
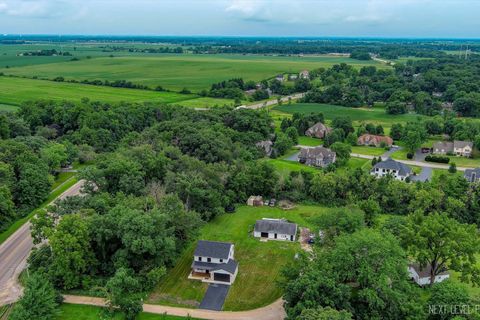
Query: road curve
{"points": [[273, 311], [269, 103], [14, 253]]}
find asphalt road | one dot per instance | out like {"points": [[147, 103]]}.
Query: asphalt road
{"points": [[214, 297], [14, 253], [272, 102]]}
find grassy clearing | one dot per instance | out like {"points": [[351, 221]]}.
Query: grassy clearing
{"points": [[259, 262], [84, 312], [204, 102], [284, 167], [195, 72], [52, 196], [61, 178], [309, 141], [17, 90], [375, 115], [8, 107], [370, 151]]}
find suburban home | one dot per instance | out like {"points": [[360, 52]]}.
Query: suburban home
{"points": [[458, 148], [275, 229], [318, 130], [391, 167], [213, 262], [255, 201], [317, 157], [472, 175], [422, 276], [266, 146], [374, 140], [279, 77], [304, 74]]}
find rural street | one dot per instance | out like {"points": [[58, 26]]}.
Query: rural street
{"points": [[271, 102], [273, 311], [14, 253]]}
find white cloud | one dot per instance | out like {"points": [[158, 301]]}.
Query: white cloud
{"points": [[36, 8]]}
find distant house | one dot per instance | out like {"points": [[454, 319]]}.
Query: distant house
{"points": [[391, 167], [422, 276], [277, 229], [317, 157], [266, 146], [250, 92], [213, 262], [458, 148], [318, 130], [472, 175], [304, 74], [292, 77], [279, 77], [255, 201], [374, 140]]}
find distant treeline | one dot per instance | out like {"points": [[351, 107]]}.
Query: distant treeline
{"points": [[143, 50], [46, 52]]}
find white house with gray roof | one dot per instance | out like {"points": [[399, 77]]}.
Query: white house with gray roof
{"points": [[472, 175], [213, 262], [421, 276], [398, 170], [275, 229]]}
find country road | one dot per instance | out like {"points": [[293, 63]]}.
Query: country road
{"points": [[271, 102], [14, 253]]}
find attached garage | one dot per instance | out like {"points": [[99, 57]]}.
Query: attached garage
{"points": [[221, 277]]}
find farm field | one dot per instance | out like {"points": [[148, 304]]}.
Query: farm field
{"points": [[195, 72], [84, 312], [259, 262], [18, 90]]}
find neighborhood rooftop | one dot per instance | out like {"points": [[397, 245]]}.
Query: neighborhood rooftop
{"points": [[425, 272], [276, 226], [391, 164], [213, 249], [230, 266]]}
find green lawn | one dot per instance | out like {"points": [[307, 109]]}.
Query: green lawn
{"points": [[8, 107], [284, 167], [309, 141], [375, 115], [204, 102], [465, 162], [176, 71], [259, 262], [370, 151], [17, 90], [84, 312]]}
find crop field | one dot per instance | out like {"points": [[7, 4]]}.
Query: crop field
{"points": [[17, 90], [176, 71], [259, 262], [375, 115]]}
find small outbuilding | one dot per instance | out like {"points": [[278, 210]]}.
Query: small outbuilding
{"points": [[255, 201], [275, 229], [421, 276]]}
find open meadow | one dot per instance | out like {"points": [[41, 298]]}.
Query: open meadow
{"points": [[173, 71], [259, 267]]}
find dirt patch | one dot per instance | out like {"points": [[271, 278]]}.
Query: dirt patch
{"points": [[286, 204], [303, 239]]}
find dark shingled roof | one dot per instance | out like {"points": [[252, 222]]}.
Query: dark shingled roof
{"points": [[276, 226], [230, 266], [425, 272], [213, 249], [391, 164], [468, 174]]}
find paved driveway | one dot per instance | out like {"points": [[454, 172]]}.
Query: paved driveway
{"points": [[214, 297], [424, 175]]}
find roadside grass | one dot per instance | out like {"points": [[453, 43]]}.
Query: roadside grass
{"points": [[309, 141], [52, 196], [61, 178], [369, 151], [85, 312], [176, 71], [260, 263], [465, 162]]}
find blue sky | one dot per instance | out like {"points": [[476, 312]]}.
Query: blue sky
{"points": [[351, 18]]}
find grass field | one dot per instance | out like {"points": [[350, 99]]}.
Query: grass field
{"points": [[196, 72], [83, 312], [8, 107], [259, 262], [375, 115], [370, 151], [309, 141]]}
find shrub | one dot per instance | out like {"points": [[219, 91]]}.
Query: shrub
{"points": [[409, 155], [439, 159]]}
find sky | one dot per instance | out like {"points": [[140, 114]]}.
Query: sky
{"points": [[321, 18]]}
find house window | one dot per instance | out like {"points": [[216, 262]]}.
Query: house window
{"points": [[199, 258], [221, 260], [209, 259]]}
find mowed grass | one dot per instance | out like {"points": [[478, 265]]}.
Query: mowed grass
{"points": [[260, 263], [196, 72], [375, 115], [370, 151], [8, 107], [84, 312], [309, 141]]}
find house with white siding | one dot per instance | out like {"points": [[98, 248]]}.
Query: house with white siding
{"points": [[421, 276], [275, 229]]}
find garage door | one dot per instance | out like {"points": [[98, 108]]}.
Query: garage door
{"points": [[221, 277]]}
